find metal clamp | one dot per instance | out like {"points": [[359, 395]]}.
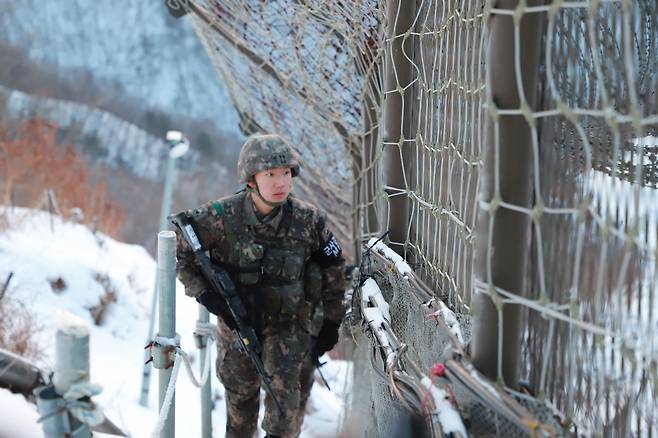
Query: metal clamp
{"points": [[163, 351]]}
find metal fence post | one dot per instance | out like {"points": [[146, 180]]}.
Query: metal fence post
{"points": [[206, 398], [167, 317], [509, 242], [178, 146]]}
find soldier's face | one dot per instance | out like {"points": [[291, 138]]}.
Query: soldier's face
{"points": [[274, 184]]}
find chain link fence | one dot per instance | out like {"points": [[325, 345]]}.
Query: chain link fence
{"points": [[509, 149]]}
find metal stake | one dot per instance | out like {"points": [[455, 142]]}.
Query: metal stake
{"points": [[167, 316], [206, 399], [178, 147]]}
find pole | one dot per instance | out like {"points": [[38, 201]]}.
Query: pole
{"points": [[71, 367], [206, 396], [508, 230], [167, 316], [71, 356], [396, 135], [170, 177]]}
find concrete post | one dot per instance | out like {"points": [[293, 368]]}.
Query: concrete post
{"points": [[71, 356], [57, 422], [167, 316], [206, 396], [71, 367], [509, 238]]}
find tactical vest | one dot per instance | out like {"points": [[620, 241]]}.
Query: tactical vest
{"points": [[272, 266]]}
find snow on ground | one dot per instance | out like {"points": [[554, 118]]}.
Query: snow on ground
{"points": [[40, 249]]}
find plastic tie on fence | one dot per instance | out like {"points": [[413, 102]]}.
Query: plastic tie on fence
{"points": [[77, 401]]}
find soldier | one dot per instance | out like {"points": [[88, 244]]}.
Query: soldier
{"points": [[281, 256]]}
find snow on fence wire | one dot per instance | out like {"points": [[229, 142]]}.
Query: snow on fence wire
{"points": [[433, 345], [507, 147], [407, 381]]}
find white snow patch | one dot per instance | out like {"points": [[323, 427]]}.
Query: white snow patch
{"points": [[449, 418], [448, 316], [71, 324], [19, 417], [38, 256], [371, 295], [400, 264]]}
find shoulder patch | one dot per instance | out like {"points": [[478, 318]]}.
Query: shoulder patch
{"points": [[218, 208], [330, 252]]}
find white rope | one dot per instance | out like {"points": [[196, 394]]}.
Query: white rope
{"points": [[205, 372], [169, 395], [208, 330]]}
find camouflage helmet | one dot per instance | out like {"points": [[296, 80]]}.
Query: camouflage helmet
{"points": [[262, 152]]}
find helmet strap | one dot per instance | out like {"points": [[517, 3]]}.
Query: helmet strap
{"points": [[256, 190]]}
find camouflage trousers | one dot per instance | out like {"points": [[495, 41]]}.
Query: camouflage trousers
{"points": [[306, 380], [287, 362]]}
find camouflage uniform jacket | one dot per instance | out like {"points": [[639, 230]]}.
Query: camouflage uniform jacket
{"points": [[266, 257]]}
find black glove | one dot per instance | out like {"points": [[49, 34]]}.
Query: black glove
{"points": [[315, 356], [217, 306], [327, 338]]}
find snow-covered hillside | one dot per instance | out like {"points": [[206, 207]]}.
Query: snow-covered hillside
{"points": [[61, 267], [136, 44], [111, 140]]}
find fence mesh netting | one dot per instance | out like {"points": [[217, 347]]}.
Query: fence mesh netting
{"points": [[508, 149]]}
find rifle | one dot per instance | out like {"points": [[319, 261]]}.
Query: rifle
{"points": [[221, 283]]}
